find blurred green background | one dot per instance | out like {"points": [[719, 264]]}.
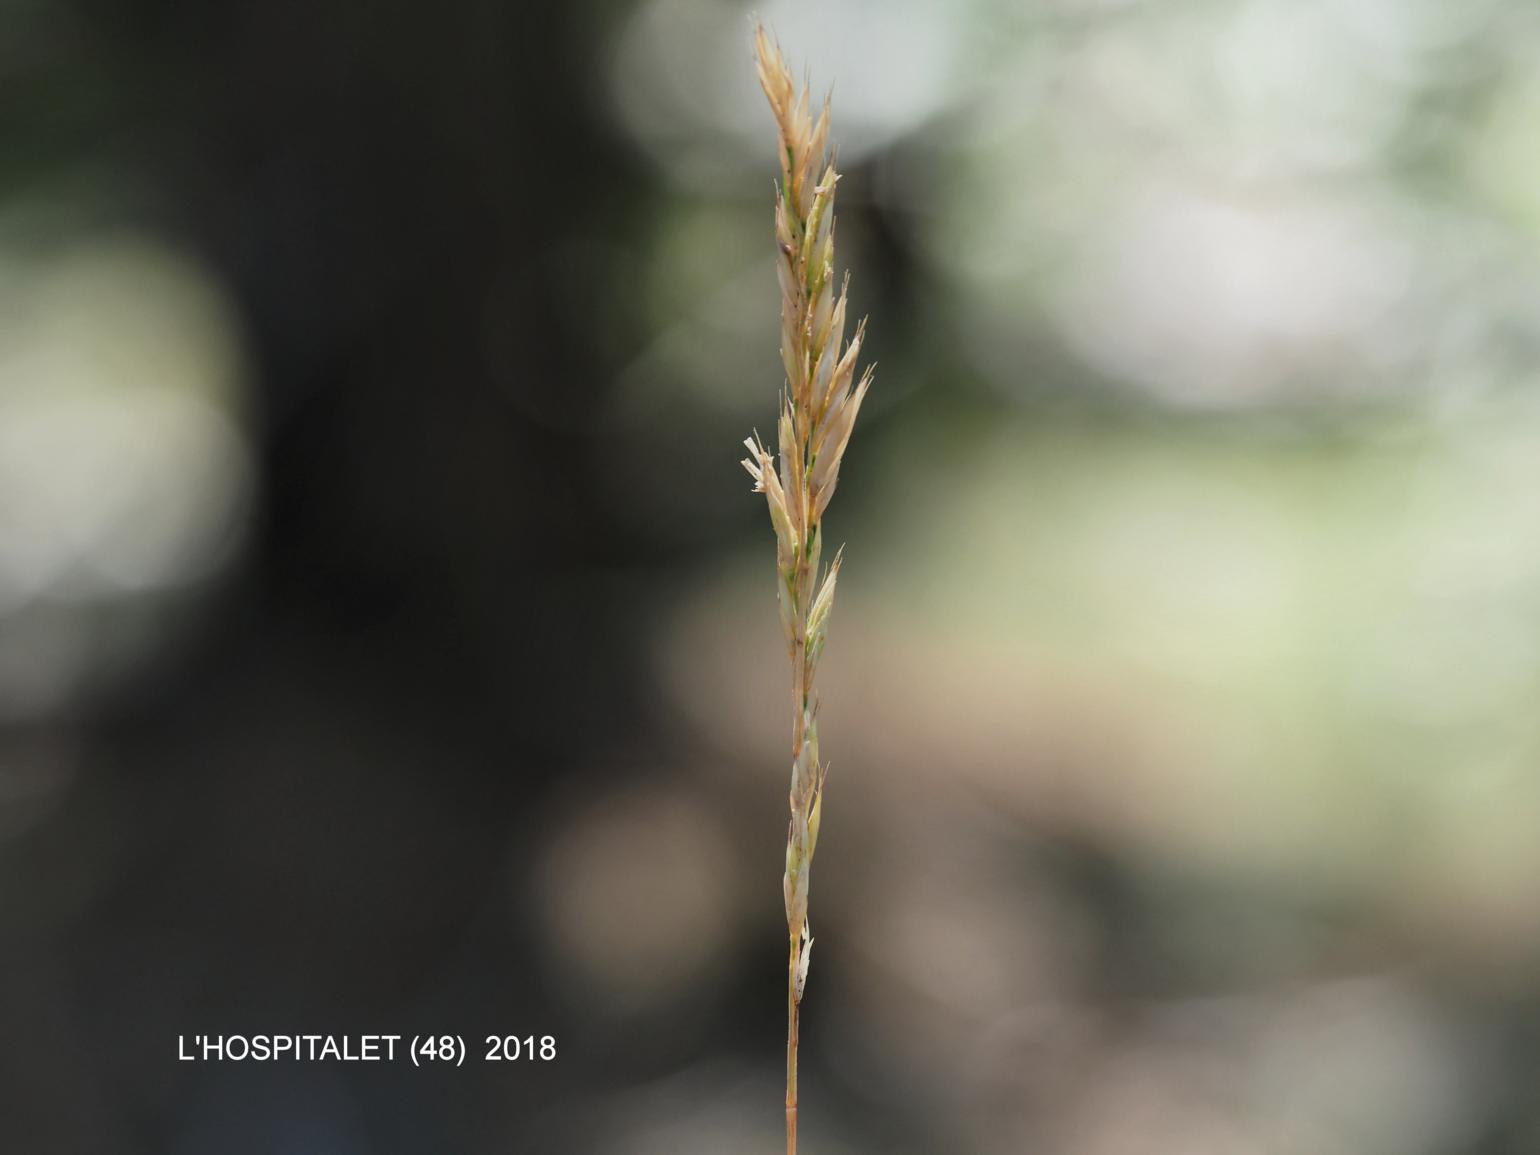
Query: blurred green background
{"points": [[387, 633]]}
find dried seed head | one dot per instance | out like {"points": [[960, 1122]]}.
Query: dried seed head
{"points": [[819, 406]]}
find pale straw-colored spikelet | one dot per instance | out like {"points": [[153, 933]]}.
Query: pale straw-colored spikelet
{"points": [[818, 411]]}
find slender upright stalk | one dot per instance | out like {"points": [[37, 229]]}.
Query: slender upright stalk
{"points": [[818, 409], [792, 1026]]}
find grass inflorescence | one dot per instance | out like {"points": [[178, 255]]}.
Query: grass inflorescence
{"points": [[818, 409]]}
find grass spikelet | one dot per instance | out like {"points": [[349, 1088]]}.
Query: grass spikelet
{"points": [[817, 413]]}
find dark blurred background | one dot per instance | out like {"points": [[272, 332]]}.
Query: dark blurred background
{"points": [[387, 632]]}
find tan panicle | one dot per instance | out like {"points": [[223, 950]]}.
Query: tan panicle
{"points": [[818, 411]]}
